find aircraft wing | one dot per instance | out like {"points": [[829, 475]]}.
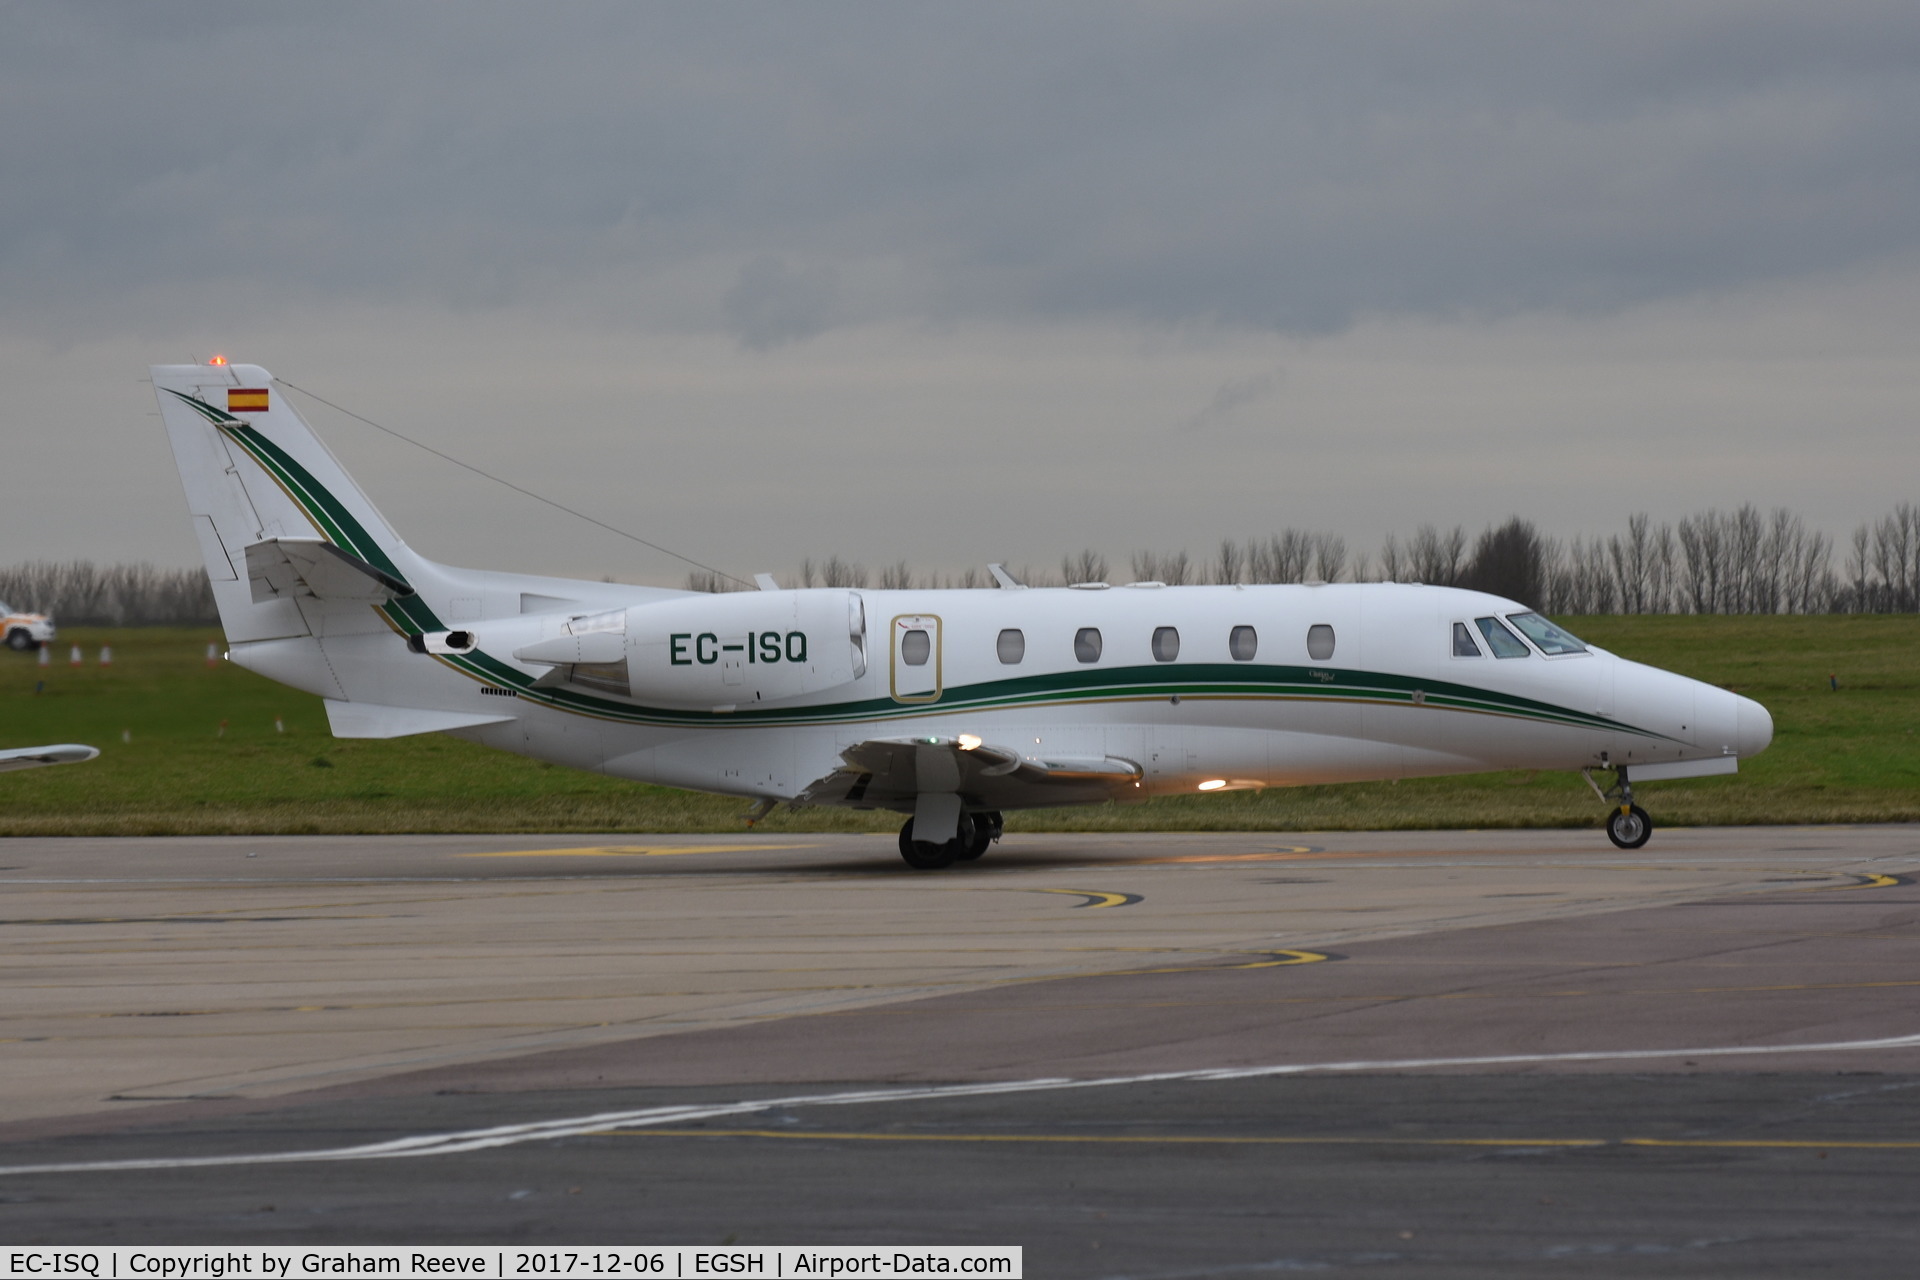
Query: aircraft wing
{"points": [[309, 567], [34, 757], [890, 773]]}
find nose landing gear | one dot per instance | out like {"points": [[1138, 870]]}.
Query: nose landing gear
{"points": [[1628, 826]]}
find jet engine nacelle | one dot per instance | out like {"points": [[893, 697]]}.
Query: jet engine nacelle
{"points": [[759, 646], [713, 650]]}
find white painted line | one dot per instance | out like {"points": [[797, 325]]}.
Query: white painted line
{"points": [[441, 1144]]}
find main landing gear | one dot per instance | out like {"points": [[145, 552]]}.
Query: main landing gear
{"points": [[1628, 826], [975, 832]]}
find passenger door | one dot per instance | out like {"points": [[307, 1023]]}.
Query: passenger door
{"points": [[915, 664]]}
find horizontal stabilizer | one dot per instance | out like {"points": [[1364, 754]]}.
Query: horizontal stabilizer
{"points": [[370, 720], [282, 567], [34, 757]]}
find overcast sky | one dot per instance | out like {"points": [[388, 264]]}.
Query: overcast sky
{"points": [[964, 282]]}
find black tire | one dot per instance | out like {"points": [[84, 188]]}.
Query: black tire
{"points": [[923, 855], [1629, 830], [986, 829], [19, 641]]}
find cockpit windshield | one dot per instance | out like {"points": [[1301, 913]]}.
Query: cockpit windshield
{"points": [[1548, 638], [1503, 642]]}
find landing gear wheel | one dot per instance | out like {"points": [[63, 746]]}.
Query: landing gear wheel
{"points": [[1629, 827], [924, 855], [986, 829], [19, 641]]}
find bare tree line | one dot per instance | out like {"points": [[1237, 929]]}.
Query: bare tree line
{"points": [[84, 594], [1883, 566], [1740, 561]]}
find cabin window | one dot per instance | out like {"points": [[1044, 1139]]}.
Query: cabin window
{"points": [[1319, 642], [1166, 644], [1086, 644], [1545, 636], [1011, 645], [1463, 645], [1503, 642], [1243, 643], [915, 648]]}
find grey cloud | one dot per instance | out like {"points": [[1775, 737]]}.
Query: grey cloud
{"points": [[1281, 167], [773, 303], [1231, 397]]}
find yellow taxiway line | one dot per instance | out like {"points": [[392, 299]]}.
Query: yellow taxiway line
{"points": [[635, 850], [1096, 898]]}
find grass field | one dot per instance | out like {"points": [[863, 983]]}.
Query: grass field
{"points": [[188, 748]]}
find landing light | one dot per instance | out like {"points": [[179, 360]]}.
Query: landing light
{"points": [[1213, 784], [968, 742]]}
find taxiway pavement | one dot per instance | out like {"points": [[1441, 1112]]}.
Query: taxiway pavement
{"points": [[1517, 1037]]}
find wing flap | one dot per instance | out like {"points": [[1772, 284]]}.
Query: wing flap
{"points": [[891, 773]]}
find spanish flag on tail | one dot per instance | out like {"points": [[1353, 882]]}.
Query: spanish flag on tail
{"points": [[246, 400]]}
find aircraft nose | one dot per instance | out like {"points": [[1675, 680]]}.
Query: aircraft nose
{"points": [[1753, 728]]}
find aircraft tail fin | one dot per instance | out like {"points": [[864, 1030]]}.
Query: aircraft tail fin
{"points": [[285, 532]]}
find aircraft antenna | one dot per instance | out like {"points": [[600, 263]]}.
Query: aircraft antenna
{"points": [[558, 506]]}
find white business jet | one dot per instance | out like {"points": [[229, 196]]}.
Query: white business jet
{"points": [[951, 706], [37, 757]]}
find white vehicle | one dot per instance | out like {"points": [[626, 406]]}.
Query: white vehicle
{"points": [[950, 706], [24, 631]]}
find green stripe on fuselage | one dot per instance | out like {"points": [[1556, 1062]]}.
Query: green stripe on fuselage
{"points": [[1200, 681]]}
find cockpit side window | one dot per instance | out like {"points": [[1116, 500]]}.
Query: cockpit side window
{"points": [[1503, 642], [1463, 645], [1546, 637]]}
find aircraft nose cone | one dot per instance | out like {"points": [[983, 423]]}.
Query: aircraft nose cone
{"points": [[1753, 728]]}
